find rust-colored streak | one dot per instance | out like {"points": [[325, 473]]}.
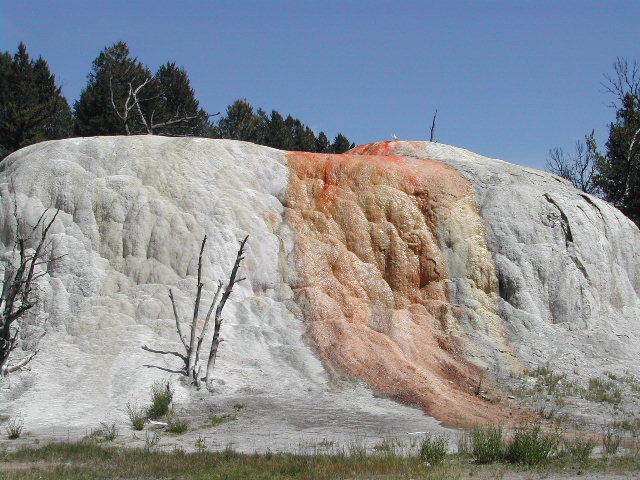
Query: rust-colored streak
{"points": [[372, 278]]}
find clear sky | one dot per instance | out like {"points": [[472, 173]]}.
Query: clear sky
{"points": [[510, 79]]}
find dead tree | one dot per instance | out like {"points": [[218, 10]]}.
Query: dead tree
{"points": [[133, 101], [20, 279], [433, 126], [130, 102], [192, 364]]}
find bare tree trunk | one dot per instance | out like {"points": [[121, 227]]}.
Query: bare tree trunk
{"points": [[191, 354], [433, 126], [215, 343]]}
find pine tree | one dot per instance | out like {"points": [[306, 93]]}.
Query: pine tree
{"points": [[104, 101], [176, 112], [32, 108], [340, 144], [279, 132], [619, 168], [239, 123], [322, 143]]}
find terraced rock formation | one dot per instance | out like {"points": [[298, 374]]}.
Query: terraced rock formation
{"points": [[408, 270]]}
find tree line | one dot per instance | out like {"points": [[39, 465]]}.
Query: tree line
{"points": [[612, 173], [123, 97]]}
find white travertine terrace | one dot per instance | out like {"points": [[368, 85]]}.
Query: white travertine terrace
{"points": [[533, 271]]}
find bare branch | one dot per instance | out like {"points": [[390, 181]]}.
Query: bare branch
{"points": [[626, 81], [6, 370], [136, 103], [181, 120], [177, 318]]}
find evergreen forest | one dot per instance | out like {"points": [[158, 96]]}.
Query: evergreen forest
{"points": [[123, 96]]}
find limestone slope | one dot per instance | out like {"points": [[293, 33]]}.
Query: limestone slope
{"points": [[567, 263], [134, 211], [413, 269]]}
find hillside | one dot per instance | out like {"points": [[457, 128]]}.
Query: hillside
{"points": [[407, 271]]}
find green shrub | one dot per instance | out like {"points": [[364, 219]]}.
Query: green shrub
{"points": [[530, 446], [486, 443], [161, 396], [433, 449], [137, 416], [177, 425]]}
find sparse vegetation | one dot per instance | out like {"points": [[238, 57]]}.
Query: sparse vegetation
{"points": [[215, 420], [14, 428], [486, 444], [464, 445], [137, 416], [151, 440], [177, 425], [161, 397], [531, 446], [98, 460], [201, 444], [610, 441], [578, 450], [106, 432], [602, 391], [630, 425], [433, 449]]}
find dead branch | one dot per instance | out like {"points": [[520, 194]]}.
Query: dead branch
{"points": [[16, 297], [626, 80], [134, 102], [175, 315]]}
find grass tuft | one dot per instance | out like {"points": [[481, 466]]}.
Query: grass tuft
{"points": [[107, 432], [177, 425], [14, 428], [137, 416]]}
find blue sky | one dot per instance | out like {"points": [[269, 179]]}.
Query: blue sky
{"points": [[510, 79]]}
